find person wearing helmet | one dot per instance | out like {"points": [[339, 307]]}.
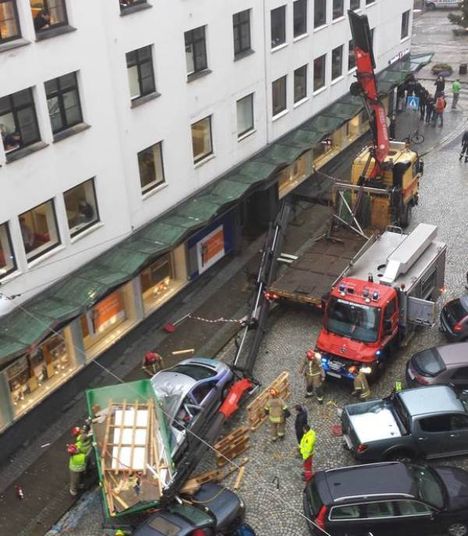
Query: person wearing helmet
{"points": [[75, 431], [152, 363], [314, 375], [360, 383], [277, 412], [77, 467]]}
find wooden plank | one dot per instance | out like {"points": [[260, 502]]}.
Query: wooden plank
{"points": [[239, 478], [106, 436], [255, 410]]}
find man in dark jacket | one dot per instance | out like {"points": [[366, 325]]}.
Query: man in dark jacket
{"points": [[300, 422], [429, 108], [464, 149], [440, 86]]}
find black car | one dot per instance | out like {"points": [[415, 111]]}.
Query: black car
{"points": [[454, 319], [215, 510], [388, 499]]}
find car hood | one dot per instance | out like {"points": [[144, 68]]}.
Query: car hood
{"points": [[171, 388], [456, 484]]}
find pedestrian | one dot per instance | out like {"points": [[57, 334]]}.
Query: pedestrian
{"points": [[77, 468], [456, 87], [300, 422], [464, 144], [152, 363], [307, 451], [360, 383], [392, 127], [422, 103], [439, 108], [401, 98], [314, 375], [42, 20], [429, 108], [277, 412], [440, 86]]}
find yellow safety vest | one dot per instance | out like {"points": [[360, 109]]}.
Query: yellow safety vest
{"points": [[307, 444], [77, 463]]}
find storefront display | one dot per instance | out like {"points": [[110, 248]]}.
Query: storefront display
{"points": [[295, 174]]}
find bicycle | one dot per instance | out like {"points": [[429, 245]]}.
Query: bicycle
{"points": [[416, 137]]}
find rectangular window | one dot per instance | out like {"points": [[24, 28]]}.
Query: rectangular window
{"points": [[319, 72], [7, 256], [278, 26], [125, 4], [300, 17], [18, 121], [245, 117], [241, 32], [48, 14], [369, 2], [81, 207], [338, 9], [354, 4], [279, 95], [320, 13], [63, 101], [405, 18], [351, 55], [202, 144], [150, 164], [39, 230], [195, 50], [337, 62], [140, 72], [300, 83], [9, 22]]}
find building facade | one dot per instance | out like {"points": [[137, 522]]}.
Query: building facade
{"points": [[123, 128]]}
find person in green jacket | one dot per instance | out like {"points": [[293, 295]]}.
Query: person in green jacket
{"points": [[456, 87], [306, 447], [77, 467]]}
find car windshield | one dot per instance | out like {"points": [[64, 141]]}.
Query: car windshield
{"points": [[428, 486], [197, 372], [457, 309], [359, 322], [429, 362]]}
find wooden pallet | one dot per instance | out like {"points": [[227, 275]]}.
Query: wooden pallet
{"points": [[256, 409], [232, 445]]}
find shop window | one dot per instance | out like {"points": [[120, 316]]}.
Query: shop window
{"points": [[81, 207], [39, 230], [354, 4], [18, 121], [125, 4], [279, 95], [7, 256], [245, 117], [48, 14], [337, 62], [63, 101], [351, 55], [320, 13], [241, 32], [202, 139], [319, 72], [322, 148], [405, 19], [300, 83], [150, 164], [195, 50], [300, 17], [9, 22], [140, 72], [278, 26], [293, 175], [338, 9]]}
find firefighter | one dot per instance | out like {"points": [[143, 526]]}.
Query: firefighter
{"points": [[77, 468], [307, 451], [360, 383], [314, 375], [277, 412]]}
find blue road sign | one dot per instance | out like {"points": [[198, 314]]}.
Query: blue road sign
{"points": [[412, 102]]}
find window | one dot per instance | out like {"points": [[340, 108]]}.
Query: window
{"points": [[350, 511], [351, 55], [337, 62], [379, 509], [63, 101], [278, 26], [300, 17], [81, 207], [125, 4], [354, 4], [437, 423], [245, 118], [48, 14], [9, 23], [18, 121], [150, 163], [7, 257], [319, 72], [405, 18], [320, 13], [460, 374], [410, 508], [459, 422], [279, 95], [140, 72], [300, 83], [195, 50], [241, 31], [202, 139], [39, 230], [369, 2], [338, 9]]}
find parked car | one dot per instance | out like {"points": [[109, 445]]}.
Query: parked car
{"points": [[215, 511], [388, 498], [436, 4], [429, 422], [191, 393], [454, 319], [446, 364]]}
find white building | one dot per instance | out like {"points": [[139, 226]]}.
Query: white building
{"points": [[112, 114]]}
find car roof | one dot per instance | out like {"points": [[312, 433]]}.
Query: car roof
{"points": [[430, 399], [374, 479], [454, 354]]}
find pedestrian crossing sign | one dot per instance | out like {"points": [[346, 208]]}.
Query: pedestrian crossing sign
{"points": [[412, 102]]}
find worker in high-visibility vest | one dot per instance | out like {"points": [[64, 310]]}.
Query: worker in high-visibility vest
{"points": [[77, 467], [306, 447]]}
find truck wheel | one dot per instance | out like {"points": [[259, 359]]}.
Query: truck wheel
{"points": [[400, 456], [405, 217], [457, 529], [430, 6]]}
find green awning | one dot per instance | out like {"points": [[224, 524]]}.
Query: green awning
{"points": [[25, 327], [344, 110], [326, 124], [255, 171], [303, 137], [230, 189], [282, 154]]}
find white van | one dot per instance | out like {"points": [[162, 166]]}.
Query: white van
{"points": [[435, 4]]}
